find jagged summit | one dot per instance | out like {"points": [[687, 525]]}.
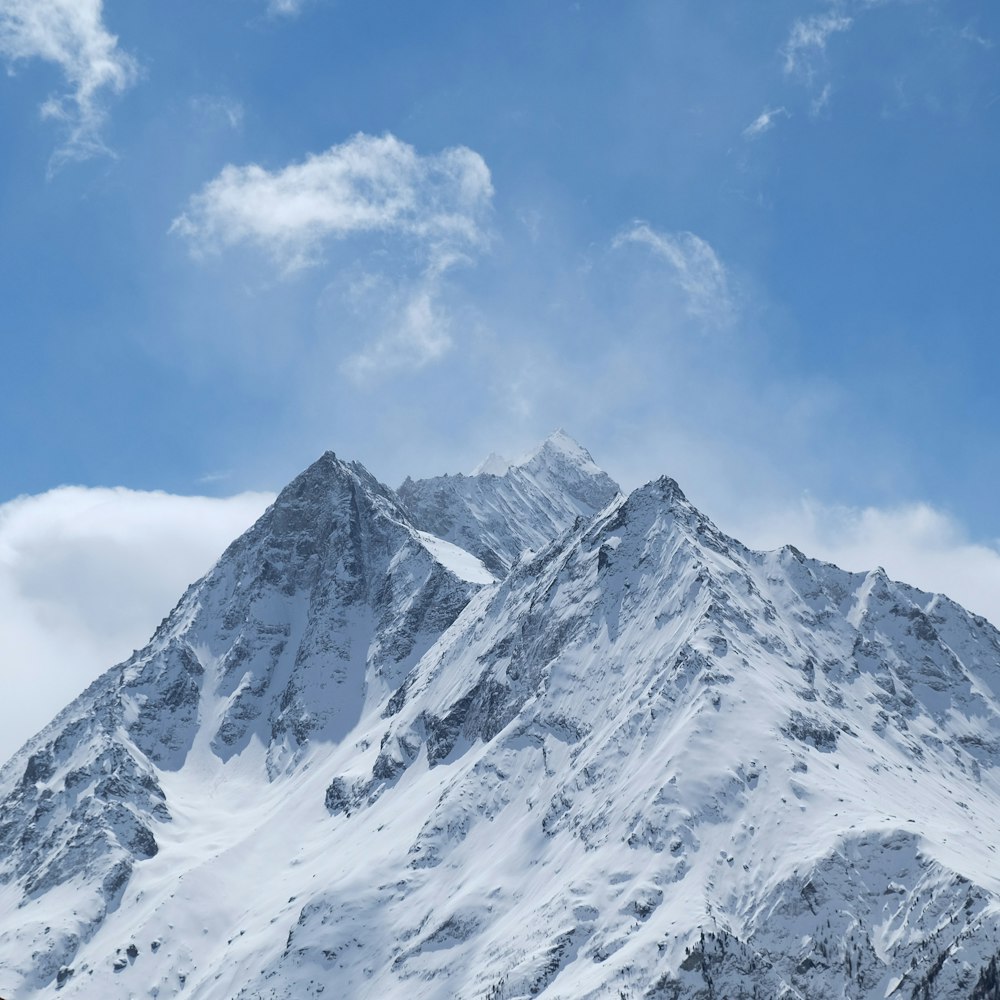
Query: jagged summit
{"points": [[324, 485], [646, 761], [499, 516], [666, 491], [558, 447]]}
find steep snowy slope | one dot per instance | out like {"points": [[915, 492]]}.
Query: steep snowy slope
{"points": [[647, 763], [505, 508]]}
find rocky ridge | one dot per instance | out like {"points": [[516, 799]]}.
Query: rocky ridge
{"points": [[507, 508]]}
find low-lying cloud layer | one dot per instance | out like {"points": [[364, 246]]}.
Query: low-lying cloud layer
{"points": [[85, 577]]}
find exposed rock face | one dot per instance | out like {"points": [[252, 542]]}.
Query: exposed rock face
{"points": [[648, 762]]}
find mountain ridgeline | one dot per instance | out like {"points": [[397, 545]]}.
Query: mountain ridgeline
{"points": [[516, 735]]}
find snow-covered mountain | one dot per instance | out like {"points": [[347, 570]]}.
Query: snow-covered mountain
{"points": [[320, 609], [505, 508], [647, 762]]}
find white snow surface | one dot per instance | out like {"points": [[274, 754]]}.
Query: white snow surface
{"points": [[648, 762], [463, 564]]}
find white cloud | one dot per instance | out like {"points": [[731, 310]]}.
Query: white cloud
{"points": [[696, 267], [71, 34], [764, 122], [915, 543], [369, 184], [85, 577], [807, 40]]}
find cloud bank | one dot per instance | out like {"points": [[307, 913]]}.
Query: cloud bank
{"points": [[72, 35], [85, 577]]}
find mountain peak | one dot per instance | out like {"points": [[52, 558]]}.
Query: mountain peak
{"points": [[329, 491], [560, 449], [561, 441], [504, 508], [329, 471], [557, 447], [667, 489]]}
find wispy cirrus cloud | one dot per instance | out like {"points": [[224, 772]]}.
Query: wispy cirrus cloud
{"points": [[72, 35], [696, 267], [219, 110], [764, 122], [804, 52], [808, 38], [970, 33], [819, 104], [369, 184], [414, 327]]}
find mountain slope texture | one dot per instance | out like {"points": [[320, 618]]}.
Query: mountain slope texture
{"points": [[516, 735]]}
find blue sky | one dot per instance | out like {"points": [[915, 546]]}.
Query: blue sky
{"points": [[750, 245], [856, 229]]}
